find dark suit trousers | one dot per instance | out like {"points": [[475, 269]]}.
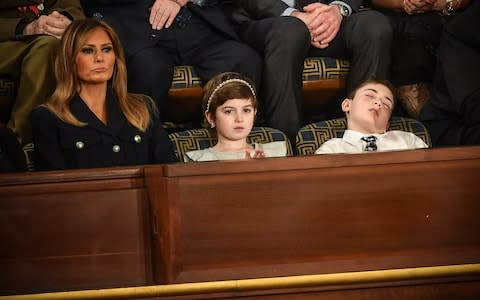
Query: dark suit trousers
{"points": [[364, 39], [452, 115], [210, 52]]}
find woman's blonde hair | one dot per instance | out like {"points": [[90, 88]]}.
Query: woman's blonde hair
{"points": [[136, 108]]}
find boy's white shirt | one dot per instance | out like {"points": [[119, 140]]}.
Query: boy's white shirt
{"points": [[391, 140]]}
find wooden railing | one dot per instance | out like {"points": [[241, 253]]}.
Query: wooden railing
{"points": [[260, 284], [223, 221]]}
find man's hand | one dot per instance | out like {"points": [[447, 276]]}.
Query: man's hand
{"points": [[306, 18], [325, 26], [419, 6], [163, 13], [54, 24]]}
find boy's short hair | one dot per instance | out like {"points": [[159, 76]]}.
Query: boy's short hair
{"points": [[383, 82]]}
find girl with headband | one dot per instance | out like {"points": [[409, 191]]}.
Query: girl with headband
{"points": [[230, 105]]}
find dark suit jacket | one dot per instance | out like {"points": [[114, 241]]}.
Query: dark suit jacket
{"points": [[59, 145], [251, 10], [456, 90], [129, 18]]}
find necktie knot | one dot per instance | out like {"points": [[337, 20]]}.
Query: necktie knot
{"points": [[370, 143]]}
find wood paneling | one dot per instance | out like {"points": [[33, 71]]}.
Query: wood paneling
{"points": [[85, 229], [74, 230], [314, 215]]}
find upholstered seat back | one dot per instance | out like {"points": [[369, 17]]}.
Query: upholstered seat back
{"points": [[197, 139], [310, 137]]}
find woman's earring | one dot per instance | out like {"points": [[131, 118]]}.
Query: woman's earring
{"points": [[212, 125]]}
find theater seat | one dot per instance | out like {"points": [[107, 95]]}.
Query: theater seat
{"points": [[310, 137], [197, 139]]}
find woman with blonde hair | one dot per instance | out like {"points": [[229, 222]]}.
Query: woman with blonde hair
{"points": [[91, 120]]}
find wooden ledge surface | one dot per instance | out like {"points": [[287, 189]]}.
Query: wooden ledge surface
{"points": [[37, 177], [319, 161]]}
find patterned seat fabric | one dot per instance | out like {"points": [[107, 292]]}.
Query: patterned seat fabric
{"points": [[7, 94], [321, 68], [29, 150], [314, 68], [185, 77], [197, 139], [310, 137]]}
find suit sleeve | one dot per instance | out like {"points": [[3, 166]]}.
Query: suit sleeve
{"points": [[70, 8], [262, 9], [10, 18], [48, 154]]}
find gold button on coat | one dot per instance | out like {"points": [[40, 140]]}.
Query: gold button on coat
{"points": [[116, 148], [137, 138], [79, 145]]}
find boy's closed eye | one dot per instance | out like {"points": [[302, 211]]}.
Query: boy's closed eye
{"points": [[387, 104]]}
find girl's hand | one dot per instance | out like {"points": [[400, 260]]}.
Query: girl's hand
{"points": [[259, 153]]}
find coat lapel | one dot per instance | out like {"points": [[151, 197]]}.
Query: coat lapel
{"points": [[115, 117]]}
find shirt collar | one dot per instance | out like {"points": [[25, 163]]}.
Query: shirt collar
{"points": [[353, 137]]}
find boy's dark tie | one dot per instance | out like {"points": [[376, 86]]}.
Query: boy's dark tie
{"points": [[371, 143], [300, 4]]}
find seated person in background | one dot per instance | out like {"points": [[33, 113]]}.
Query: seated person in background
{"points": [[368, 109], [12, 158], [160, 34], [417, 27], [452, 115], [230, 105], [30, 31], [287, 31], [91, 120]]}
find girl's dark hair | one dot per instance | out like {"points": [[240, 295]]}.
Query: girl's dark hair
{"points": [[226, 86]]}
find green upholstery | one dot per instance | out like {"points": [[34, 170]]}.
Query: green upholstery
{"points": [[197, 139], [310, 137]]}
